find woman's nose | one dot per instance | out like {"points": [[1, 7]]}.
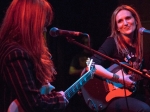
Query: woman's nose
{"points": [[125, 22]]}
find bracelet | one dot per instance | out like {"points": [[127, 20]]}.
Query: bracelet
{"points": [[115, 78]]}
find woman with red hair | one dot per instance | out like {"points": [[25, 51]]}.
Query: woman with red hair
{"points": [[25, 59]]}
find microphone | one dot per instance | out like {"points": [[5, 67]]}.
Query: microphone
{"points": [[54, 32], [143, 30]]}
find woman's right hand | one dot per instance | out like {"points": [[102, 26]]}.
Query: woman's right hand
{"points": [[126, 81]]}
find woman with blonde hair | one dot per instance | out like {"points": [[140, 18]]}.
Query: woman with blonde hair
{"points": [[124, 44]]}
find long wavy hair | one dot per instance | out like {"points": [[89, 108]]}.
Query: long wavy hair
{"points": [[24, 23], [138, 38]]}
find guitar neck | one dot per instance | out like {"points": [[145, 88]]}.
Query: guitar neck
{"points": [[70, 92]]}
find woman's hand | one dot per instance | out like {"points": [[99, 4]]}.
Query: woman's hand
{"points": [[65, 99], [126, 81]]}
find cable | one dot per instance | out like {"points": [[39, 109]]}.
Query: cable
{"points": [[123, 83], [125, 89]]}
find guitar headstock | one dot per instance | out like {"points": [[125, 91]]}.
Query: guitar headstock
{"points": [[90, 64]]}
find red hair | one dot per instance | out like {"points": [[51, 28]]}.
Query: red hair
{"points": [[24, 23]]}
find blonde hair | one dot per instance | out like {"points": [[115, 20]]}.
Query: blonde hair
{"points": [[138, 38]]}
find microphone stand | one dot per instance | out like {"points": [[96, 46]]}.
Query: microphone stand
{"points": [[144, 73]]}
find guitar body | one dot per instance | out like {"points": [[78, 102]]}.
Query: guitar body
{"points": [[98, 92], [15, 107], [94, 93]]}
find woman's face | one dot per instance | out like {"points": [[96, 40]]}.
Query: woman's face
{"points": [[126, 23]]}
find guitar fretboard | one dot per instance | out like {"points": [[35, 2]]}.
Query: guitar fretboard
{"points": [[70, 92]]}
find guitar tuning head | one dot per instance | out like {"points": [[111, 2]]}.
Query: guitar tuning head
{"points": [[93, 63]]}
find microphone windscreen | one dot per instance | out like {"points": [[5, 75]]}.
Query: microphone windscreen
{"points": [[53, 32], [141, 30]]}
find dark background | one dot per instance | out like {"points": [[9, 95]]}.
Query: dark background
{"points": [[88, 16]]}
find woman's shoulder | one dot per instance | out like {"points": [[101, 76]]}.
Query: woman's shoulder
{"points": [[12, 49], [109, 41], [10, 46]]}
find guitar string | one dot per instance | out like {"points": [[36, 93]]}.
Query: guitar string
{"points": [[71, 92], [76, 86], [81, 81]]}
